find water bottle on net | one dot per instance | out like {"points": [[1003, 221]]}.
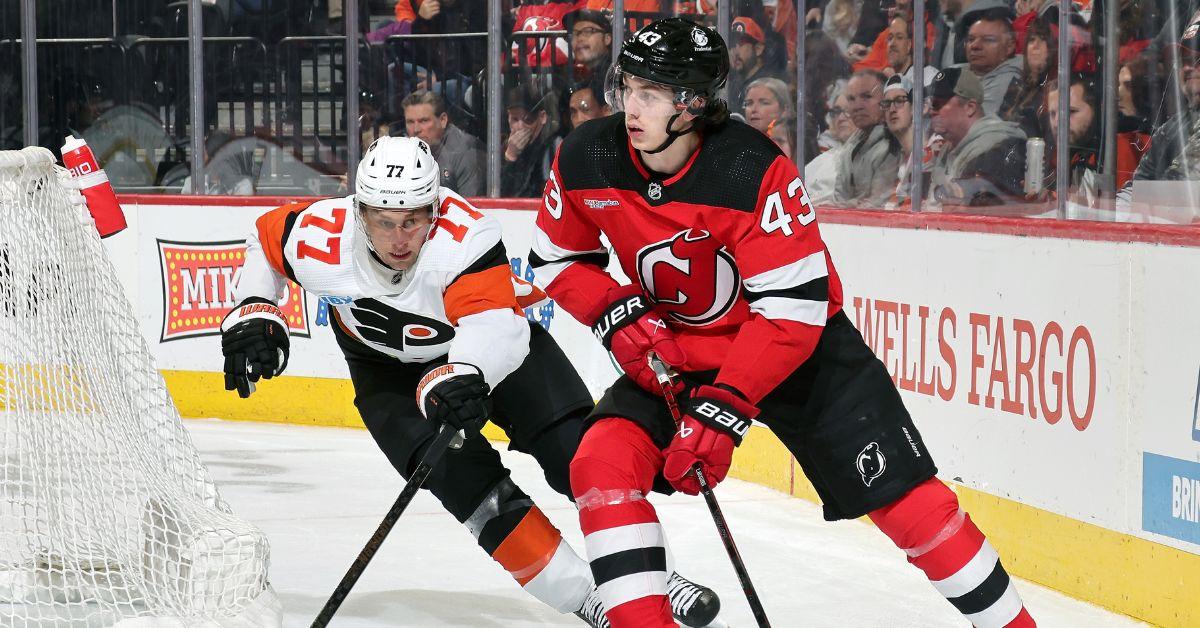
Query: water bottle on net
{"points": [[93, 183]]}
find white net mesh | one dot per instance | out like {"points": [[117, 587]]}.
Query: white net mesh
{"points": [[106, 512]]}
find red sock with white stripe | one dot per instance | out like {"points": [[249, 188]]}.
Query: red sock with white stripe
{"points": [[941, 540], [611, 474]]}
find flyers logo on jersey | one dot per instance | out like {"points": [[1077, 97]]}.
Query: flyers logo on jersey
{"points": [[197, 282], [376, 322], [691, 277]]}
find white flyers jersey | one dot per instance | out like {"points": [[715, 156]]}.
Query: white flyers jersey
{"points": [[459, 299]]}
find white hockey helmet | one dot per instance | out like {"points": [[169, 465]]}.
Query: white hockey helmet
{"points": [[398, 173]]}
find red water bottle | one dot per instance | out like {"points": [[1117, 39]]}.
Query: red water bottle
{"points": [[93, 183]]}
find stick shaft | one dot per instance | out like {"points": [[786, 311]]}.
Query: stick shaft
{"points": [[432, 456], [735, 557]]}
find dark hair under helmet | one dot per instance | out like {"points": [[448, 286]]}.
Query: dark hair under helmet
{"points": [[679, 53]]}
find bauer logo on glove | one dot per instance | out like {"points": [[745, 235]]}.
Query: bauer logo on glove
{"points": [[455, 394], [254, 339], [721, 417], [625, 311], [628, 326], [714, 421]]}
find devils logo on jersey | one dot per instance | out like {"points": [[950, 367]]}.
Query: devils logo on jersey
{"points": [[390, 327], [691, 276]]}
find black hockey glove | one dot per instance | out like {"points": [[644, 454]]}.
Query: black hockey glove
{"points": [[254, 339], [455, 394]]}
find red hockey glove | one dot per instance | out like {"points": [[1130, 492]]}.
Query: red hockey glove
{"points": [[714, 422], [629, 327]]}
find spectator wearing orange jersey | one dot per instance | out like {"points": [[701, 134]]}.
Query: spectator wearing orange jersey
{"points": [[892, 51], [898, 51]]}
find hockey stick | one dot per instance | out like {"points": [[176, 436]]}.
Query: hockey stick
{"points": [[756, 607], [446, 438]]}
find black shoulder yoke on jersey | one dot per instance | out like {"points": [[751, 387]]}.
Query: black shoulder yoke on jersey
{"points": [[729, 171]]}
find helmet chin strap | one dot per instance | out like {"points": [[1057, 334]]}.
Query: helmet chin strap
{"points": [[674, 135], [671, 135]]}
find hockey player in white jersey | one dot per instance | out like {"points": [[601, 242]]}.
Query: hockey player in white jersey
{"points": [[429, 317]]}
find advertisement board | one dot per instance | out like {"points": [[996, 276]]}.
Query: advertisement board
{"points": [[1061, 373]]}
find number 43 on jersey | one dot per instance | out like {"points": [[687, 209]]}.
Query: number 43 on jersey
{"points": [[776, 218]]}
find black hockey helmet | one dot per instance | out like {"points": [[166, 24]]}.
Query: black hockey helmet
{"points": [[690, 59], [679, 53]]}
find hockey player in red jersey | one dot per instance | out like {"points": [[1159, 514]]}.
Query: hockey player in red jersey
{"points": [[733, 287], [429, 317]]}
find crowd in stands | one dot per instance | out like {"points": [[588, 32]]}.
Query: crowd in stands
{"points": [[989, 120], [990, 82]]}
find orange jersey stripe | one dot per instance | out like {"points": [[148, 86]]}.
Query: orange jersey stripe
{"points": [[529, 547], [404, 10], [488, 289], [527, 293], [271, 236]]}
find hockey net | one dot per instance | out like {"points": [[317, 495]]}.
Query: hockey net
{"points": [[107, 515]]}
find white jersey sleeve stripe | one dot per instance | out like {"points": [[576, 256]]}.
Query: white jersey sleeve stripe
{"points": [[548, 250], [791, 275], [786, 308], [549, 260]]}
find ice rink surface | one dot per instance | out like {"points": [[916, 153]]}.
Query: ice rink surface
{"points": [[319, 494]]}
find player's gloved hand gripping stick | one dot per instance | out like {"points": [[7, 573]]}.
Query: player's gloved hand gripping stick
{"points": [[455, 394], [697, 472], [627, 325]]}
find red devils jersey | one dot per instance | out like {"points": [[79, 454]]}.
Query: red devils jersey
{"points": [[728, 248]]}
